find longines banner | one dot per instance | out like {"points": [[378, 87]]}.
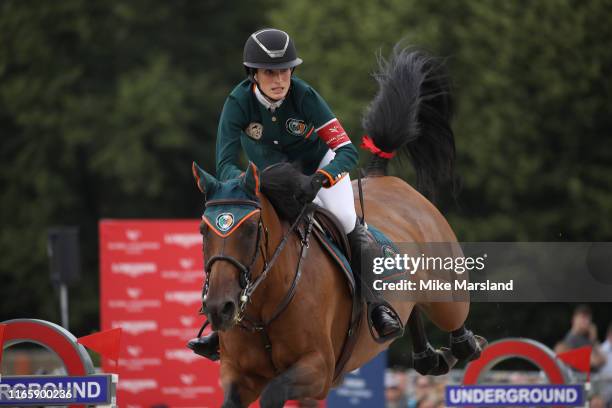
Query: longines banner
{"points": [[151, 274]]}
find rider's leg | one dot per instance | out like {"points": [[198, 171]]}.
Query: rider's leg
{"points": [[339, 200], [363, 248]]}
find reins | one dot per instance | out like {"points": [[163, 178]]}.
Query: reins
{"points": [[249, 290]]}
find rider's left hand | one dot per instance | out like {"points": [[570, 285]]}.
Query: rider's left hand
{"points": [[310, 187]]}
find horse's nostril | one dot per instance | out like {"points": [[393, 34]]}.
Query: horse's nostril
{"points": [[228, 309]]}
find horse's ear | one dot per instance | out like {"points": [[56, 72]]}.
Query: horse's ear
{"points": [[251, 179], [206, 183]]}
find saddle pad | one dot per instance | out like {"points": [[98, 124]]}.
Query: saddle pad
{"points": [[336, 253], [387, 246]]}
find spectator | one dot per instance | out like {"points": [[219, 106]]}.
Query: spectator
{"points": [[394, 391], [584, 333], [429, 401], [606, 370], [422, 387]]}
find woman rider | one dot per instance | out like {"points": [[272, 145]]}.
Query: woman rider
{"points": [[276, 117]]}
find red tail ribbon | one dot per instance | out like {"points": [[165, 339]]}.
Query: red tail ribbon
{"points": [[368, 144]]}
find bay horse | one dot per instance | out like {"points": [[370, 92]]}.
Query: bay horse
{"points": [[279, 301]]}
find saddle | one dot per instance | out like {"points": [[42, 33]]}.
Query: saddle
{"points": [[330, 233]]}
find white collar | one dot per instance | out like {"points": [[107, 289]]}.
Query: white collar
{"points": [[271, 106]]}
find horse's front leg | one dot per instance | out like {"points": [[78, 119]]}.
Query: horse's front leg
{"points": [[309, 377], [239, 390]]}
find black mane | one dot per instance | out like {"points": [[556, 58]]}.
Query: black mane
{"points": [[280, 183]]}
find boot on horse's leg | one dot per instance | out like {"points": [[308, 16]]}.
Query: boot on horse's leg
{"points": [[425, 359], [465, 345], [385, 321], [207, 346], [433, 362]]}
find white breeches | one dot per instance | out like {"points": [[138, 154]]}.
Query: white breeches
{"points": [[338, 198]]}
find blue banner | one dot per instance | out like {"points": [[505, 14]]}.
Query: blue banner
{"points": [[363, 387], [514, 395], [56, 390]]}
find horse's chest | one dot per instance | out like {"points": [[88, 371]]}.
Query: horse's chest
{"points": [[248, 352]]}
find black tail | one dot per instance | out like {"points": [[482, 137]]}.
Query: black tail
{"points": [[411, 114]]}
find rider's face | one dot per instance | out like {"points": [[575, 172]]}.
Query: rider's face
{"points": [[274, 82]]}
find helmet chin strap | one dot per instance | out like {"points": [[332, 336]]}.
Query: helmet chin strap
{"points": [[265, 100], [272, 100]]}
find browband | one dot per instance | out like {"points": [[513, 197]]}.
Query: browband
{"points": [[230, 201]]}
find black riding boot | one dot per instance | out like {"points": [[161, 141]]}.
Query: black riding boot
{"points": [[207, 346], [384, 320]]}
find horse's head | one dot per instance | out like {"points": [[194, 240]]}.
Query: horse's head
{"points": [[233, 236]]}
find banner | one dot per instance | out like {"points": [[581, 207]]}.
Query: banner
{"points": [[363, 387], [151, 273]]}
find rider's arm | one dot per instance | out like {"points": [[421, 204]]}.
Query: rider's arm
{"points": [[330, 131], [228, 140]]}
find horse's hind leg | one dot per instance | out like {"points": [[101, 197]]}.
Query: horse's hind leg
{"points": [[426, 360], [307, 378], [450, 317]]}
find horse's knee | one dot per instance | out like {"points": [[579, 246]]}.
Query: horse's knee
{"points": [[305, 379]]}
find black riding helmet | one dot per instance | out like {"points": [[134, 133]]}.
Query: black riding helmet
{"points": [[269, 48]]}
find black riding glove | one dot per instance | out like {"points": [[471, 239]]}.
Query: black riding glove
{"points": [[310, 187]]}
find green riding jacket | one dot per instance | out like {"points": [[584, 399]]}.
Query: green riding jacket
{"points": [[302, 129]]}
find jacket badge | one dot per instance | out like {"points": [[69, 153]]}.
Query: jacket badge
{"points": [[296, 127], [254, 130]]}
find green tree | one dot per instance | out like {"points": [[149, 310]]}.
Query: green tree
{"points": [[531, 125], [103, 106]]}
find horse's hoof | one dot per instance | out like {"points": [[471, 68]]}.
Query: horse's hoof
{"points": [[424, 361], [275, 394], [446, 361], [308, 403], [433, 362], [468, 347]]}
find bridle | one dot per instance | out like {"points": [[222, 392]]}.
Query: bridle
{"points": [[247, 284]]}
